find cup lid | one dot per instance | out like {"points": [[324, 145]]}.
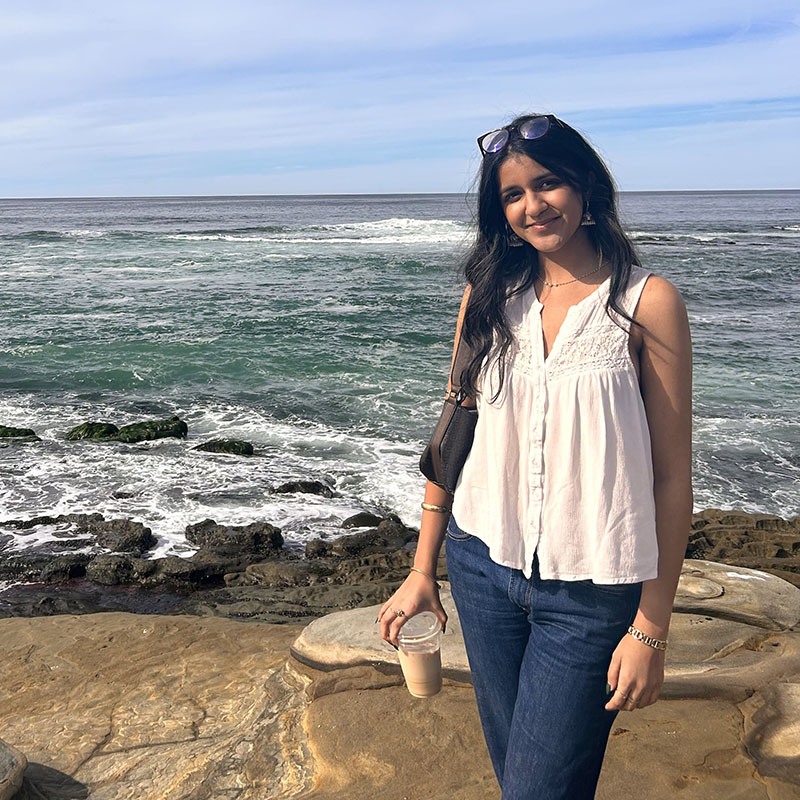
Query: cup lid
{"points": [[419, 627]]}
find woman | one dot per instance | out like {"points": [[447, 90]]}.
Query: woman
{"points": [[568, 526]]}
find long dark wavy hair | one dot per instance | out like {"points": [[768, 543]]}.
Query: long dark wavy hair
{"points": [[497, 271]]}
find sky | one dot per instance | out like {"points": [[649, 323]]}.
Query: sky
{"points": [[148, 98]]}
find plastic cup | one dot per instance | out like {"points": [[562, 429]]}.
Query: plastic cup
{"points": [[420, 654]]}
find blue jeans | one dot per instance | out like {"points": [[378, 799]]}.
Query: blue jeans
{"points": [[539, 652]]}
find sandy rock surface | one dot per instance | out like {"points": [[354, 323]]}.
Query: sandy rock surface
{"points": [[127, 706], [118, 705], [12, 769], [121, 705]]}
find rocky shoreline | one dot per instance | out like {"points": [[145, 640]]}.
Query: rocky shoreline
{"points": [[243, 572], [246, 572], [87, 564]]}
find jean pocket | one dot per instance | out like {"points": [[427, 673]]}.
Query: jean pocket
{"points": [[455, 533], [613, 589]]}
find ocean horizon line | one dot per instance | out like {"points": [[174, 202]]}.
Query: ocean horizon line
{"points": [[361, 194]]}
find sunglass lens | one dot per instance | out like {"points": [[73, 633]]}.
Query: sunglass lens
{"points": [[534, 128], [494, 140]]}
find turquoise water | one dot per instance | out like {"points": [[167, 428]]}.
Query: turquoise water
{"points": [[320, 329]]}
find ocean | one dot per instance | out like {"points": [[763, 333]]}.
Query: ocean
{"points": [[320, 329]]}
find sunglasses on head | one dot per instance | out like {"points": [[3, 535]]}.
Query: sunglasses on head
{"points": [[530, 128]]}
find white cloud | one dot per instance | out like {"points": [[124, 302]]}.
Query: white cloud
{"points": [[138, 88]]}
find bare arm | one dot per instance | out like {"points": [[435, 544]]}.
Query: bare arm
{"points": [[666, 361], [433, 526], [418, 592], [637, 670]]}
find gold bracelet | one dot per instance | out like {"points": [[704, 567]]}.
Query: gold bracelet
{"points": [[427, 575], [432, 507], [658, 644]]}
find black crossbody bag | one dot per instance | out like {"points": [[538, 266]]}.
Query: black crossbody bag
{"points": [[443, 458]]}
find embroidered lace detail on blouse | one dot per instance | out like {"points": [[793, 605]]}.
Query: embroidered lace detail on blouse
{"points": [[600, 346]]}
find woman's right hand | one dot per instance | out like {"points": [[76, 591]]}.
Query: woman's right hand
{"points": [[417, 593]]}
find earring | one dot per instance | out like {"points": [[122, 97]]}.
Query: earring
{"points": [[587, 218], [512, 240]]}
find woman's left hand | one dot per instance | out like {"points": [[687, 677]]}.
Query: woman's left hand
{"points": [[636, 674]]}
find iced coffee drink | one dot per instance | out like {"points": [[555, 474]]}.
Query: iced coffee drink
{"points": [[420, 654]]}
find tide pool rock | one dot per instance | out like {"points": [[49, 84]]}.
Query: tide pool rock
{"points": [[7, 431], [737, 593], [308, 487], [757, 541], [258, 537], [351, 638]]}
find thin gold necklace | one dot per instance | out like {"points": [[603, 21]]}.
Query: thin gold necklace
{"points": [[563, 283]]}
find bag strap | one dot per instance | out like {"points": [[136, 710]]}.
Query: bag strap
{"points": [[461, 351]]}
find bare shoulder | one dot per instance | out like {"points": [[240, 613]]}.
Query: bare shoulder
{"points": [[660, 301], [662, 312]]}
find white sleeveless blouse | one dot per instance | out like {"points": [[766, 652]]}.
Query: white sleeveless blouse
{"points": [[561, 464]]}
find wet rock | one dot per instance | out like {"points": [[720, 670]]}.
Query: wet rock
{"points": [[284, 604], [259, 537], [25, 566], [377, 567], [235, 447], [93, 430], [111, 569], [309, 487], [363, 520], [289, 573], [47, 561], [63, 568], [296, 589], [8, 432], [80, 596], [188, 574], [153, 429], [390, 534], [210, 567], [123, 535], [81, 521], [316, 548]]}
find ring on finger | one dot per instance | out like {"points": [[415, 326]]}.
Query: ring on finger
{"points": [[399, 612]]}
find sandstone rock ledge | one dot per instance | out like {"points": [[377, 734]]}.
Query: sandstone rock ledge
{"points": [[116, 705]]}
